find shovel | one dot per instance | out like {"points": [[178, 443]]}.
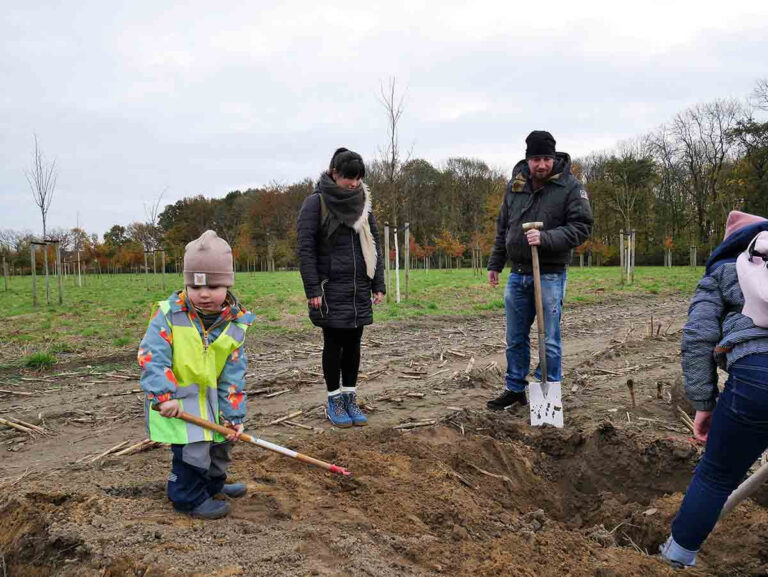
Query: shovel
{"points": [[544, 398], [263, 444]]}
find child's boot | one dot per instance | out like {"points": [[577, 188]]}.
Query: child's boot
{"points": [[211, 509], [353, 409], [234, 490], [337, 412]]}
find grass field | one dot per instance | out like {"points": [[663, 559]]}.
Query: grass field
{"points": [[111, 311]]}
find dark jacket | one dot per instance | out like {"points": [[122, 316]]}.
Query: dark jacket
{"points": [[334, 268], [562, 205], [716, 332]]}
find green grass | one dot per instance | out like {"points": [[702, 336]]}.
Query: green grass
{"points": [[110, 313], [39, 361]]}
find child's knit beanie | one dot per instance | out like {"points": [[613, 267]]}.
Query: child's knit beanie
{"points": [[208, 261]]}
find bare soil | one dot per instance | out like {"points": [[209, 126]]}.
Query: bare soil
{"points": [[470, 492]]}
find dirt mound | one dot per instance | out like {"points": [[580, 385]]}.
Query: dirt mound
{"points": [[501, 497]]}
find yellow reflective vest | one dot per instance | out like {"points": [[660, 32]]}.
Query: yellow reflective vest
{"points": [[196, 367]]}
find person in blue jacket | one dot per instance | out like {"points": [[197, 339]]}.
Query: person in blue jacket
{"points": [[723, 330]]}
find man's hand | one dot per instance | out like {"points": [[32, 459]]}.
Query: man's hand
{"points": [[493, 278], [315, 302], [170, 408], [237, 430], [534, 237], [701, 425], [378, 298]]}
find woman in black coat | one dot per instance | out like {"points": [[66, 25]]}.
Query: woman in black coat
{"points": [[343, 274]]}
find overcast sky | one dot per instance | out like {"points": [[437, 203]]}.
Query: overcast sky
{"points": [[133, 98]]}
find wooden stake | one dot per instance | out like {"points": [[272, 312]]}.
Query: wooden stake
{"points": [[414, 425], [631, 387], [108, 451], [21, 428], [285, 418]]}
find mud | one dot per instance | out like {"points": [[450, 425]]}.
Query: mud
{"points": [[475, 493]]}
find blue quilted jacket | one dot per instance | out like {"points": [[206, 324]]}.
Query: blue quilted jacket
{"points": [[716, 333]]}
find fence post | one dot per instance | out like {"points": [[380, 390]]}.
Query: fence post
{"points": [[58, 271], [397, 268], [32, 249], [632, 258], [5, 274], [146, 270], [621, 254], [407, 252], [164, 289], [386, 260]]}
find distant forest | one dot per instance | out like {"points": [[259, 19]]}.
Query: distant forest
{"points": [[674, 186]]}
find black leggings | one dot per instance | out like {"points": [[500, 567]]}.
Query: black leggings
{"points": [[341, 356]]}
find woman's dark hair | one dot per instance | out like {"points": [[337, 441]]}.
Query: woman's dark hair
{"points": [[347, 163]]}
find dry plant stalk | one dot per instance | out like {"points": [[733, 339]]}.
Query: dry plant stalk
{"points": [[631, 387]]}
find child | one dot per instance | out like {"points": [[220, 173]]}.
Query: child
{"points": [[727, 326], [192, 360]]}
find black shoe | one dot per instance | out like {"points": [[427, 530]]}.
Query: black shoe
{"points": [[507, 400]]}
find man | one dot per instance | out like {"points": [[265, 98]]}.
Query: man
{"points": [[542, 189]]}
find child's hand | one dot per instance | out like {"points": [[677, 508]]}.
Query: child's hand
{"points": [[378, 298], [237, 430], [170, 408]]}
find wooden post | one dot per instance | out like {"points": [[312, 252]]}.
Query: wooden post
{"points": [[32, 249], [397, 268], [5, 274], [164, 289], [386, 260], [407, 251], [58, 271], [146, 270], [632, 258], [621, 254]]}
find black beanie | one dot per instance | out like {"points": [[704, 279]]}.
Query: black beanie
{"points": [[540, 143]]}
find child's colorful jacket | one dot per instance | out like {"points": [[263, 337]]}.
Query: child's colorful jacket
{"points": [[203, 369]]}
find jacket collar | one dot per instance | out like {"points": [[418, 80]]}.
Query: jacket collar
{"points": [[521, 174], [731, 247], [233, 310]]}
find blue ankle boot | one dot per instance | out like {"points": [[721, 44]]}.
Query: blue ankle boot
{"points": [[353, 410], [210, 509], [337, 411], [234, 490]]}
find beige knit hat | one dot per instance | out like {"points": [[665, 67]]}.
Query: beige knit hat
{"points": [[208, 261]]}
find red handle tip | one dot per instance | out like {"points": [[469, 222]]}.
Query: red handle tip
{"points": [[340, 470]]}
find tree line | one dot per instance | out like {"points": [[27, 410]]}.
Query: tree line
{"points": [[674, 186]]}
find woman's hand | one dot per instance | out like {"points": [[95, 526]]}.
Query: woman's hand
{"points": [[701, 425], [237, 430], [315, 302], [378, 298], [170, 408]]}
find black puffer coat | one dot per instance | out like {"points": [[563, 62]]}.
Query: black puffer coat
{"points": [[334, 268], [562, 205]]}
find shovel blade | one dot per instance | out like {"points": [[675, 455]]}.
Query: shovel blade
{"points": [[546, 403]]}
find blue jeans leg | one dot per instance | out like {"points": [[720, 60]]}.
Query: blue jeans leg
{"points": [[552, 294], [520, 309], [738, 436]]}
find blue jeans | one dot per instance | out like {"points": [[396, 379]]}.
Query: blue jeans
{"points": [[737, 438], [520, 307]]}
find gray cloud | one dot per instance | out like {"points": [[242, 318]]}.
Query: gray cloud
{"points": [[132, 99]]}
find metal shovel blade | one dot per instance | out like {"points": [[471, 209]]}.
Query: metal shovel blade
{"points": [[546, 403]]}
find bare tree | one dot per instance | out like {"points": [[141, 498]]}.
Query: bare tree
{"points": [[702, 133], [391, 160], [760, 95], [41, 177]]}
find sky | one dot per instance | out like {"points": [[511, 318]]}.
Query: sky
{"points": [[139, 99]]}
